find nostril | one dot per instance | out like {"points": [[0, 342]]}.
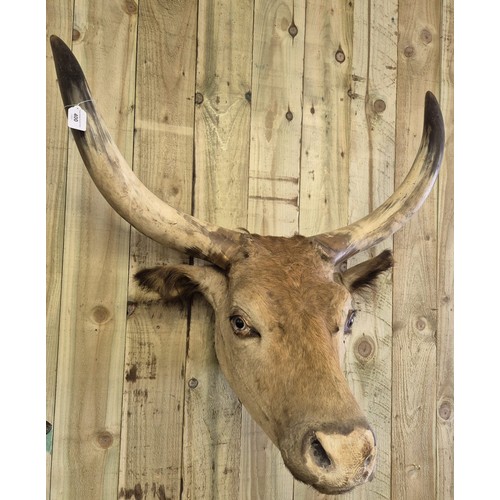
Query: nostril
{"points": [[319, 454]]}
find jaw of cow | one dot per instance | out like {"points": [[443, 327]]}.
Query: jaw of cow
{"points": [[281, 314]]}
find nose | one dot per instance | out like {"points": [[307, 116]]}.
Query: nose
{"points": [[339, 461]]}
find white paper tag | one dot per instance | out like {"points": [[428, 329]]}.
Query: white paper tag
{"points": [[77, 118]]}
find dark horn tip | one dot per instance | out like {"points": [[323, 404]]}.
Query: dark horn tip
{"points": [[59, 48], [434, 126], [70, 75], [54, 40]]}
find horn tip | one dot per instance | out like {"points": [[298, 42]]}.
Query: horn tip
{"points": [[433, 123], [70, 75], [59, 48]]}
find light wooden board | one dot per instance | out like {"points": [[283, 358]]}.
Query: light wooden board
{"points": [[222, 128], [445, 284], [153, 398], [273, 208], [372, 92], [87, 421], [277, 81], [324, 175], [415, 270], [59, 20], [281, 117]]}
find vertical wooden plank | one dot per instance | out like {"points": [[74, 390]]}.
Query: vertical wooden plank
{"points": [[359, 178], [59, 18], [324, 176], [212, 417], [94, 289], [415, 301], [371, 182], [445, 284], [277, 82], [222, 131], [153, 403], [324, 179], [276, 117]]}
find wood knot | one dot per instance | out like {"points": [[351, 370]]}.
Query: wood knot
{"points": [[409, 51], [379, 106], [198, 98], [100, 315], [289, 116], [293, 30], [364, 349], [248, 96], [76, 35], [445, 410], [421, 324], [426, 36], [104, 439], [339, 55], [130, 7], [193, 383]]}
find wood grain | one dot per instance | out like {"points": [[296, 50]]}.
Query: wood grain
{"points": [[153, 399], [93, 308], [222, 137], [372, 91], [59, 20], [324, 175], [324, 178], [445, 277], [415, 272], [273, 205]]}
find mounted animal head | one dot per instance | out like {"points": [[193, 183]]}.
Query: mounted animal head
{"points": [[282, 306]]}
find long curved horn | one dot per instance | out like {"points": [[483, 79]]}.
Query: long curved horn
{"points": [[397, 210], [120, 186]]}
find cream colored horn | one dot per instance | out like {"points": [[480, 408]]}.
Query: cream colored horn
{"points": [[121, 187], [398, 209]]}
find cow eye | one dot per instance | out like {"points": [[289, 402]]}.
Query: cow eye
{"points": [[349, 322], [242, 328]]}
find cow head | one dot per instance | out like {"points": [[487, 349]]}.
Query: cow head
{"points": [[282, 306]]}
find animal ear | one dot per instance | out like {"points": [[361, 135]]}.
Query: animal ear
{"points": [[182, 281], [363, 276]]}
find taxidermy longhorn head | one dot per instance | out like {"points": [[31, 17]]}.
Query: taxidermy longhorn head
{"points": [[281, 305]]}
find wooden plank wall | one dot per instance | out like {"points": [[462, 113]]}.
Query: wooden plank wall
{"points": [[278, 116]]}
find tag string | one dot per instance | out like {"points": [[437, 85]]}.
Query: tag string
{"points": [[74, 105]]}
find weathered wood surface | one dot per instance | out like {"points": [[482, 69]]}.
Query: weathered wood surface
{"points": [[94, 282], [59, 20], [414, 407], [277, 116], [153, 395]]}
